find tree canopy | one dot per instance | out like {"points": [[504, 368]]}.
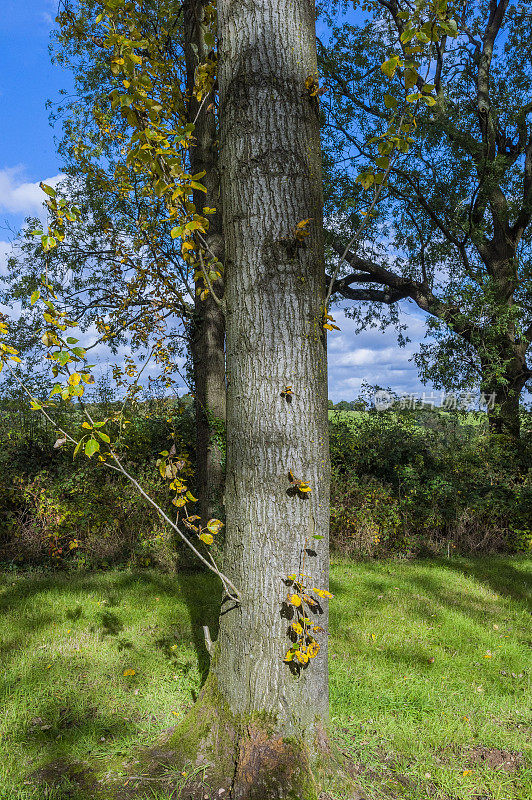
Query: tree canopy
{"points": [[453, 233]]}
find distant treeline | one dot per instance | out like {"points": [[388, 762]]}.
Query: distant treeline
{"points": [[405, 481]]}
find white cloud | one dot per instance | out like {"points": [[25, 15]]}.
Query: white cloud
{"points": [[5, 249], [19, 197], [373, 357]]}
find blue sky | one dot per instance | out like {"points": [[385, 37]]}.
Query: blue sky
{"points": [[27, 80], [28, 155]]}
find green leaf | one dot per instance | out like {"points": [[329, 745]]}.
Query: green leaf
{"points": [[194, 225], [407, 35], [91, 447], [78, 447], [48, 189], [451, 27], [175, 233], [390, 101], [104, 437], [35, 296], [48, 243], [389, 67]]}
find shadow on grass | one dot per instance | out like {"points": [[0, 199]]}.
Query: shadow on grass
{"points": [[62, 727], [497, 575], [202, 595], [503, 578], [434, 593]]}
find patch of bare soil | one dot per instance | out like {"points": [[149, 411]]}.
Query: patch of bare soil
{"points": [[70, 776], [492, 757]]}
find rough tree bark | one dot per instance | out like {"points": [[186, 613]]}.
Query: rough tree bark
{"points": [[504, 389], [259, 726], [208, 330]]}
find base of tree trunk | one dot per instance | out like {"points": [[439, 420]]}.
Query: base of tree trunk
{"points": [[238, 758]]}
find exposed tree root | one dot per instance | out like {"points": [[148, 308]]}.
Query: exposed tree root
{"points": [[213, 754]]}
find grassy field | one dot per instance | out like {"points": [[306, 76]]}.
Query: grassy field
{"points": [[430, 676]]}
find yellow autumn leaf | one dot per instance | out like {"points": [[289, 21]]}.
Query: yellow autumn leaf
{"points": [[304, 487], [323, 593], [301, 657], [297, 628], [295, 600], [128, 673], [214, 526], [313, 649], [206, 537], [289, 656]]}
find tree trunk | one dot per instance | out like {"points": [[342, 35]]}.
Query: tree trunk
{"points": [[502, 392], [259, 723], [208, 356], [208, 333]]}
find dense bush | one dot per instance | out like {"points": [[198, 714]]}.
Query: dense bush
{"points": [[411, 481], [403, 482], [57, 510]]}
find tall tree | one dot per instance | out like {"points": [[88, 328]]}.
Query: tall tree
{"points": [[261, 720], [119, 264], [208, 333], [459, 204]]}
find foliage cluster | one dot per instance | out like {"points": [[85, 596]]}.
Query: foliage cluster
{"points": [[76, 513], [403, 482], [412, 481]]}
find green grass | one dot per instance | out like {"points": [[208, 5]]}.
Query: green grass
{"points": [[414, 728]]}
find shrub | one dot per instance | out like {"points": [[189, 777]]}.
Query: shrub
{"points": [[408, 482]]}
